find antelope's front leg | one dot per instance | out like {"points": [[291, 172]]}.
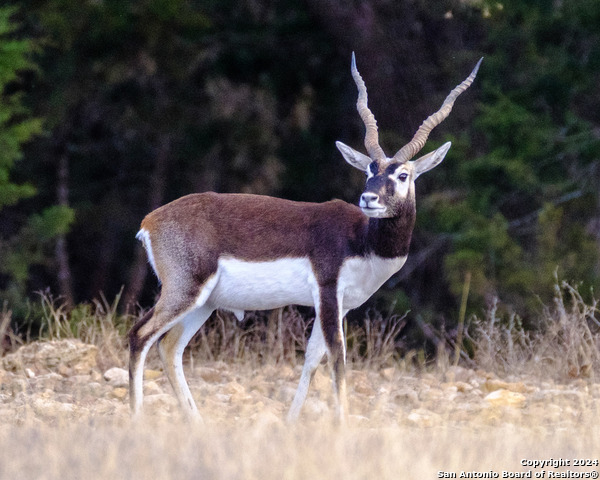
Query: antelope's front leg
{"points": [[332, 324], [314, 353]]}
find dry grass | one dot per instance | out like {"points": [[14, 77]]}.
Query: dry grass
{"points": [[566, 346], [381, 443], [97, 323], [266, 449]]}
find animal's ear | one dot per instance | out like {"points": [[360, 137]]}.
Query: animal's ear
{"points": [[354, 158], [432, 159]]}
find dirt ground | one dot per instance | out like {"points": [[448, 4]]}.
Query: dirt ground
{"points": [[62, 414]]}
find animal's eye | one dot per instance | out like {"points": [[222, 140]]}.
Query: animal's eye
{"points": [[403, 177]]}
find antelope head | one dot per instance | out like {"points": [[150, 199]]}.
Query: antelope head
{"points": [[390, 181]]}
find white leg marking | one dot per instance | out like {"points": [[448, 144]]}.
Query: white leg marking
{"points": [[315, 350], [342, 395], [171, 349], [138, 374], [137, 378]]}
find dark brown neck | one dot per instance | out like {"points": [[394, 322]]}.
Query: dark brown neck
{"points": [[390, 237]]}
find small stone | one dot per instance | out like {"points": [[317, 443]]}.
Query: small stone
{"points": [[47, 381], [363, 387], [29, 373], [117, 377], [234, 388], [119, 392], [49, 408], [161, 400], [222, 397], [388, 373], [93, 389], [464, 387], [19, 385], [423, 417], [431, 395], [68, 356], [456, 373], [152, 374], [406, 395], [505, 398], [152, 388], [494, 384]]}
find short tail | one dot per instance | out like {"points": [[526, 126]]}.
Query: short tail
{"points": [[144, 236]]}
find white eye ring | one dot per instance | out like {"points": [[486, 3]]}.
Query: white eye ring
{"points": [[402, 177]]}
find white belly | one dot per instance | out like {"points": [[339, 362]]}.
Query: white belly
{"points": [[263, 285], [242, 285], [361, 277]]}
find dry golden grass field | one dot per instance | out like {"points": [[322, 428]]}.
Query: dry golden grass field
{"points": [[521, 400]]}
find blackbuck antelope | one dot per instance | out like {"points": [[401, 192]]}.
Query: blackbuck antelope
{"points": [[246, 252]]}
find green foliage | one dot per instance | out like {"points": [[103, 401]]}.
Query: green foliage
{"points": [[519, 210], [15, 127], [28, 243]]}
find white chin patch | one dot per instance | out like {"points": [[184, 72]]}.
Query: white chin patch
{"points": [[375, 212]]}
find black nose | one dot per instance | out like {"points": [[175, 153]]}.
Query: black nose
{"points": [[369, 197]]}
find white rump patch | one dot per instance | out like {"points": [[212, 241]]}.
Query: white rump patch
{"points": [[144, 236]]}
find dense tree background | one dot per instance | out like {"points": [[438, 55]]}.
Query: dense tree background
{"points": [[110, 109]]}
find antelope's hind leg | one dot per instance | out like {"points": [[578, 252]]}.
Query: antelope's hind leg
{"points": [[171, 347], [138, 349], [152, 326]]}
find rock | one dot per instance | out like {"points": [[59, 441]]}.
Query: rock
{"points": [[505, 398], [93, 389], [431, 395], [19, 385], [285, 393], [46, 407], [450, 394], [222, 397], [423, 417], [493, 384], [48, 381], [119, 392], [117, 377], [152, 374], [161, 400], [406, 395], [152, 388], [456, 373], [388, 373], [234, 388], [363, 387], [66, 357], [464, 387]]}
